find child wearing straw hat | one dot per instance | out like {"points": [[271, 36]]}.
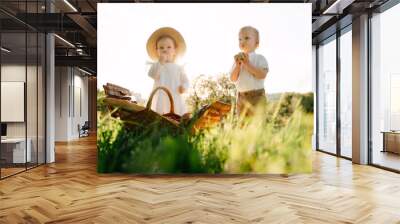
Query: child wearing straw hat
{"points": [[164, 46], [249, 72]]}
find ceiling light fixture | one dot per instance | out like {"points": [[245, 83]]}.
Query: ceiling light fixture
{"points": [[84, 71], [337, 7], [79, 51], [5, 50], [64, 40], [70, 5]]}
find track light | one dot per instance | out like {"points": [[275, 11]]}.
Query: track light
{"points": [[64, 40], [5, 50], [70, 5], [84, 71], [338, 6]]}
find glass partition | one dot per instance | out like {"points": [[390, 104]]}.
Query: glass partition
{"points": [[327, 96], [22, 64], [13, 94], [346, 94], [385, 89]]}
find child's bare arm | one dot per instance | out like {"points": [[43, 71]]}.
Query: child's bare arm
{"points": [[235, 73], [184, 82], [155, 71], [236, 70]]}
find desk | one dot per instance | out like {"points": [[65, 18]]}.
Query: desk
{"points": [[391, 141], [15, 148]]}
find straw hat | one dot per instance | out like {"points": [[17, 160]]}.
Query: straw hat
{"points": [[165, 31]]}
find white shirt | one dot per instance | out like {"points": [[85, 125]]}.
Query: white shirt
{"points": [[171, 76], [246, 81]]}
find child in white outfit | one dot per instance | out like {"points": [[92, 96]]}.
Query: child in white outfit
{"points": [[164, 46], [249, 72]]}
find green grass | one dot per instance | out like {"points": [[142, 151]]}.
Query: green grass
{"points": [[276, 140], [153, 150]]}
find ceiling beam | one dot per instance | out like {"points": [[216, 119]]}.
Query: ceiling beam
{"points": [[320, 22], [81, 61], [84, 24], [337, 6]]}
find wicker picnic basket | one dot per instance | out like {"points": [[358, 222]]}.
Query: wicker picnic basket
{"points": [[136, 116]]}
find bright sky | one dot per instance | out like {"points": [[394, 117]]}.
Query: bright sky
{"points": [[211, 35]]}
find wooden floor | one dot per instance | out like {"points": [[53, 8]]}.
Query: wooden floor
{"points": [[387, 159], [10, 171], [70, 191]]}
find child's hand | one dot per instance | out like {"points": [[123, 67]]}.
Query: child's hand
{"points": [[181, 89], [163, 58], [241, 58], [238, 62], [245, 58]]}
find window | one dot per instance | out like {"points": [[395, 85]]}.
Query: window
{"points": [[327, 96], [385, 88], [346, 93]]}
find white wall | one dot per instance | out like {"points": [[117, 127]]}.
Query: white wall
{"points": [[62, 82], [14, 73], [70, 84], [34, 125], [80, 96]]}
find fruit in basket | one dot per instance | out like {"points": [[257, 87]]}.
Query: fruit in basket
{"points": [[241, 57]]}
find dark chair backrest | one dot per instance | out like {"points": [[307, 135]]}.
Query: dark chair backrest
{"points": [[86, 125]]}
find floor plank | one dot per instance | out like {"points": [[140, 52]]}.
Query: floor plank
{"points": [[70, 191]]}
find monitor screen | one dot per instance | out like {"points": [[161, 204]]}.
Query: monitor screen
{"points": [[3, 129]]}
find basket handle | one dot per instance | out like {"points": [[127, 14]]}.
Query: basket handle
{"points": [[171, 100]]}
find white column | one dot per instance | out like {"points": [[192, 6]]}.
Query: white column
{"points": [[50, 92], [50, 101], [360, 90]]}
